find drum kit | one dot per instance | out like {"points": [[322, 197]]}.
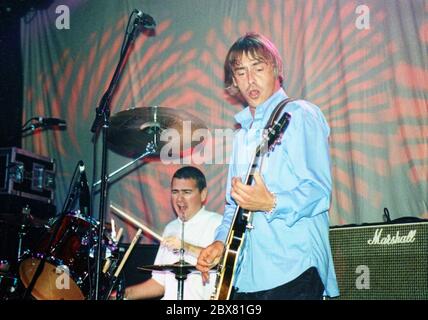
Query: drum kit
{"points": [[62, 257]]}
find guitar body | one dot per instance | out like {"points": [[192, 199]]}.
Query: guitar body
{"points": [[227, 266], [242, 218]]}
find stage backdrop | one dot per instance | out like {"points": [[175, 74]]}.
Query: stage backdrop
{"points": [[364, 63]]}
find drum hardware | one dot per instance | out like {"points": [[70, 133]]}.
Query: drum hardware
{"points": [[181, 273], [62, 255], [134, 129], [150, 150], [70, 259], [135, 222], [139, 129], [115, 238], [122, 263], [22, 229], [54, 254], [4, 266], [8, 286], [181, 269], [176, 268]]}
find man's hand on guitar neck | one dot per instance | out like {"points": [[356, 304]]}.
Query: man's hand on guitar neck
{"points": [[256, 197], [208, 258]]}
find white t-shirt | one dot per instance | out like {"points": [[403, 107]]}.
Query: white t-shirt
{"points": [[198, 231]]}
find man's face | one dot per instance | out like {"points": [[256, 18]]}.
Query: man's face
{"points": [[186, 198], [256, 79]]}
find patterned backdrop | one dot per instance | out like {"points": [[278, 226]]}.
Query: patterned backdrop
{"points": [[363, 62]]}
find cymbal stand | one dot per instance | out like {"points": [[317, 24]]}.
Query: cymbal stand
{"points": [[181, 275], [150, 149]]}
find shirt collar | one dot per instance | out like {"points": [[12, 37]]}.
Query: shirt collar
{"points": [[245, 118], [196, 216]]}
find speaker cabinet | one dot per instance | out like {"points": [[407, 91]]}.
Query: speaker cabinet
{"points": [[383, 261]]}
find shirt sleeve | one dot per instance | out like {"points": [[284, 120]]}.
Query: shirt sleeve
{"points": [[230, 207], [161, 258], [306, 152]]}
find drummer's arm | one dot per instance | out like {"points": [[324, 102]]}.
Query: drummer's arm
{"points": [[145, 290], [192, 249], [174, 243]]}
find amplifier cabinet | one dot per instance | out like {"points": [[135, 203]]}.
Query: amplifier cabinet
{"points": [[382, 261]]}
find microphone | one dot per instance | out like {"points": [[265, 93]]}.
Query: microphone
{"points": [[46, 122], [146, 20], [84, 195]]}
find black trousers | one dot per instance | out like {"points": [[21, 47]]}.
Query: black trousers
{"points": [[307, 286]]}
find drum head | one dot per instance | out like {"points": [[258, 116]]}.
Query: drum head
{"points": [[54, 282]]}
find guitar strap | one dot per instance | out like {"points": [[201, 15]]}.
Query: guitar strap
{"points": [[273, 117], [277, 112]]}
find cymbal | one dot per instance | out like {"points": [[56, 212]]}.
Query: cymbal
{"points": [[176, 268], [132, 130]]}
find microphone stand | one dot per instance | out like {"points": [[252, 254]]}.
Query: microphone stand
{"points": [[102, 120], [35, 126]]}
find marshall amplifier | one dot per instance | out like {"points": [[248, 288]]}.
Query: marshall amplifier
{"points": [[381, 261], [26, 180]]}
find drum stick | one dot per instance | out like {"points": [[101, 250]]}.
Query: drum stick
{"points": [[128, 252], [113, 229], [119, 235], [106, 265], [135, 222]]}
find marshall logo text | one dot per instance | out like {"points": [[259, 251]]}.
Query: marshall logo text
{"points": [[388, 239]]}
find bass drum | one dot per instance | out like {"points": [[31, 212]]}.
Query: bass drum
{"points": [[66, 273]]}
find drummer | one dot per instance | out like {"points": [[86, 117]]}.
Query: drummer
{"points": [[188, 195]]}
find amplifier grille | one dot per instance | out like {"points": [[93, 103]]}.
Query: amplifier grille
{"points": [[385, 261]]}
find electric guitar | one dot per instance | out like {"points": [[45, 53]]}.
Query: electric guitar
{"points": [[242, 218]]}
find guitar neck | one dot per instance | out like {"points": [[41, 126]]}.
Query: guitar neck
{"points": [[237, 226]]}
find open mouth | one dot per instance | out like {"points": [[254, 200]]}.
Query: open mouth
{"points": [[181, 208], [254, 93]]}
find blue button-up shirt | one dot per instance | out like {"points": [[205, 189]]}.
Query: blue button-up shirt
{"points": [[295, 236]]}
